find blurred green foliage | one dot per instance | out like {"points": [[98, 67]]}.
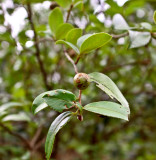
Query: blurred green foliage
{"points": [[24, 74]]}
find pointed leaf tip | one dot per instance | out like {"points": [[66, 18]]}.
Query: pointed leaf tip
{"points": [[106, 108], [109, 87], [56, 125]]}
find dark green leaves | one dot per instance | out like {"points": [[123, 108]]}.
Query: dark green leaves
{"points": [[108, 109], [57, 124], [154, 17], [86, 43], [55, 19], [108, 86], [38, 103], [57, 99], [138, 39]]}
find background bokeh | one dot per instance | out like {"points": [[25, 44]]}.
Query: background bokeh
{"points": [[22, 79]]}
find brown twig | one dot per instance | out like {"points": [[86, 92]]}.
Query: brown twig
{"points": [[38, 145], [77, 60], [120, 35], [70, 60], [42, 69], [26, 143], [80, 92], [69, 12], [36, 136]]}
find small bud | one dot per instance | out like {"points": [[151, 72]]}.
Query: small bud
{"points": [[81, 81], [80, 117], [53, 5]]}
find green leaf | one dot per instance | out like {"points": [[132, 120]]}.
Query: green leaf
{"points": [[60, 99], [108, 86], [106, 108], [16, 117], [69, 45], [55, 19], [57, 124], [82, 39], [73, 35], [62, 30], [146, 25], [9, 105], [94, 41], [38, 103], [154, 17], [64, 3], [120, 23], [78, 4], [138, 39]]}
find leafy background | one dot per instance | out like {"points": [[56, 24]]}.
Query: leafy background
{"points": [[128, 59]]}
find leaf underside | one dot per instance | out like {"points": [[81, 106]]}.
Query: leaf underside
{"points": [[69, 45], [108, 86], [56, 125], [106, 108], [138, 39]]}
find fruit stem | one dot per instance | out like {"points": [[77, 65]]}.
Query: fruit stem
{"points": [[77, 60], [80, 96]]}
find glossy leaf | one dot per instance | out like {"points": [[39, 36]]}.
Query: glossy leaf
{"points": [[62, 30], [55, 19], [16, 117], [94, 41], [9, 105], [38, 103], [82, 39], [154, 17], [73, 35], [56, 125], [69, 45], [120, 23], [59, 99], [138, 39], [106, 108], [108, 86]]}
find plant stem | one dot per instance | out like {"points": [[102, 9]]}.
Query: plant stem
{"points": [[80, 92], [70, 60], [27, 144], [42, 69], [77, 60], [69, 12]]}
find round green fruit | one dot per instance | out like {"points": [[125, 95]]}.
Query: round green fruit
{"points": [[81, 81]]}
